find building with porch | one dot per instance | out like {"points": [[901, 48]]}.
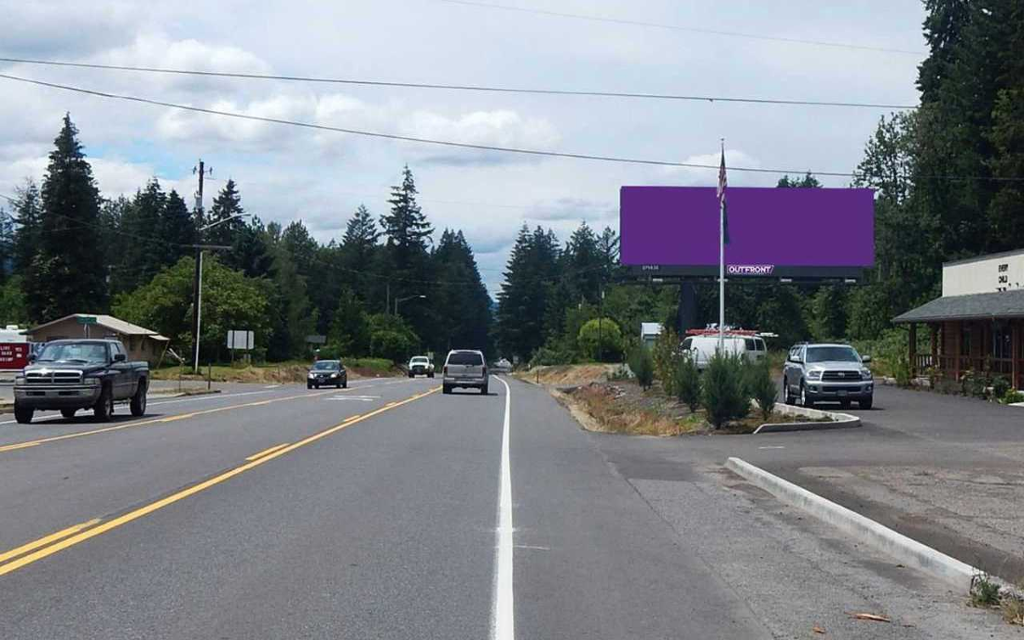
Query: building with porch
{"points": [[978, 323]]}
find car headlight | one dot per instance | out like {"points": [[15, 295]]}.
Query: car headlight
{"points": [[865, 374], [814, 375], [19, 380], [92, 382], [311, 374], [334, 375]]}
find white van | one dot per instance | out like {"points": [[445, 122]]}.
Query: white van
{"points": [[703, 347]]}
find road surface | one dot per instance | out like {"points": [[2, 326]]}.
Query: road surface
{"points": [[389, 510]]}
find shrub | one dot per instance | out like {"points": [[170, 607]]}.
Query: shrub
{"points": [[984, 592], [945, 386], [665, 355], [643, 367], [724, 395], [974, 384], [901, 370], [761, 387], [601, 342], [1012, 397], [686, 382], [1000, 387]]}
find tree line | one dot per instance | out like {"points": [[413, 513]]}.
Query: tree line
{"points": [[69, 250]]}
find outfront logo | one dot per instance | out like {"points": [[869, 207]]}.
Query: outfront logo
{"points": [[750, 269]]}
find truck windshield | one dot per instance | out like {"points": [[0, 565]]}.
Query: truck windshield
{"points": [[72, 352]]}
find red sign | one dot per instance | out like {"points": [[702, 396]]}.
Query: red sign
{"points": [[14, 355]]}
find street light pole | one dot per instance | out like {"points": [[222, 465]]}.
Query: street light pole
{"points": [[198, 288], [397, 300]]}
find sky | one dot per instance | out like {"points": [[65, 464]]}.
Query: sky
{"points": [[320, 177]]}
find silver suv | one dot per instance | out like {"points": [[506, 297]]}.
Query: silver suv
{"points": [[465, 368], [827, 373]]}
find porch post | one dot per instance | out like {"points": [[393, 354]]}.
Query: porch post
{"points": [[957, 348], [913, 349], [1015, 355], [934, 328]]}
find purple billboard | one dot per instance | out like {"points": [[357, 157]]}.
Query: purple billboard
{"points": [[781, 233]]}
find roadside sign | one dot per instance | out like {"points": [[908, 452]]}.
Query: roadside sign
{"points": [[316, 339], [241, 340], [86, 319], [14, 355]]}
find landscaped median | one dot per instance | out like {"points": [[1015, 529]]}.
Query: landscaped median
{"points": [[605, 400], [279, 373]]}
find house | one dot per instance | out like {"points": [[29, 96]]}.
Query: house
{"points": [[141, 343], [649, 332], [978, 323]]}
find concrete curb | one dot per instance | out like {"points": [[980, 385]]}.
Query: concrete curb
{"points": [[908, 551], [839, 420]]}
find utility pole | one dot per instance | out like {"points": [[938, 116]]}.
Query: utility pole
{"points": [[197, 283]]}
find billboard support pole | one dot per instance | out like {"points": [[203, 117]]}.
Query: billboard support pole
{"points": [[721, 253]]}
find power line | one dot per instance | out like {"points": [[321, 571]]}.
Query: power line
{"points": [[671, 27], [401, 138], [466, 145], [460, 87]]}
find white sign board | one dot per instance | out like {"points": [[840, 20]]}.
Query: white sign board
{"points": [[241, 340], [987, 274]]}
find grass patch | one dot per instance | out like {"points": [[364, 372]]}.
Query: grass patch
{"points": [[984, 592], [604, 411]]}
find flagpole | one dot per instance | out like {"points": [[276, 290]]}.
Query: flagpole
{"points": [[721, 264]]}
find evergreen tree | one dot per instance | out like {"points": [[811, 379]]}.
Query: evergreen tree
{"points": [[226, 206], [460, 299], [28, 217], [349, 330], [358, 253], [523, 299], [250, 250], [406, 228], [142, 246], [177, 229], [68, 275]]}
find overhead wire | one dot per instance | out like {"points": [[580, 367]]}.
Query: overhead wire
{"points": [[457, 87], [467, 145], [673, 27]]}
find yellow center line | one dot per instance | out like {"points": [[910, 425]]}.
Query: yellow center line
{"points": [[62, 542], [266, 451], [42, 542], [185, 416]]}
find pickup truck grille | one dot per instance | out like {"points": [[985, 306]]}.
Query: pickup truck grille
{"points": [[841, 375], [53, 377]]}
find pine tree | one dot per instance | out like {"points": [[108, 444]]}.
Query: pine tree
{"points": [[226, 206], [177, 229], [524, 296], [358, 252], [460, 300], [406, 228], [142, 246], [70, 279], [28, 216]]}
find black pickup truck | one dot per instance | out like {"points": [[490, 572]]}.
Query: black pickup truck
{"points": [[81, 374]]}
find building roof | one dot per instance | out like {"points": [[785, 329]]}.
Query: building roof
{"points": [[108, 322], [990, 256], [987, 306]]}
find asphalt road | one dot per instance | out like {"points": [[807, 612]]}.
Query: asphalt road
{"points": [[389, 510]]}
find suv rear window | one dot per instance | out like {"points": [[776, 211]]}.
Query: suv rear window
{"points": [[465, 358], [750, 344]]}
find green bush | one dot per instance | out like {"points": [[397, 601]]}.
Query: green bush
{"points": [[761, 387], [724, 394], [1000, 387], [665, 354], [686, 381], [1011, 396], [600, 339], [974, 384], [642, 364]]}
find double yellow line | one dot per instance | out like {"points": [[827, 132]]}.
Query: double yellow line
{"points": [[48, 545]]}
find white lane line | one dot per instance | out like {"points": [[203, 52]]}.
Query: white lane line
{"points": [[503, 619], [272, 386], [771, 447]]}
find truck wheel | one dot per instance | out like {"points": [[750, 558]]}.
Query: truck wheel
{"points": [[104, 408], [138, 405], [431, 374], [483, 390], [344, 383], [445, 389], [68, 413], [309, 385], [23, 415], [787, 395], [805, 400], [412, 375], [866, 404]]}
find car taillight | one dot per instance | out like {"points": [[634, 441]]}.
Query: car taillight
{"points": [[444, 370], [485, 370]]}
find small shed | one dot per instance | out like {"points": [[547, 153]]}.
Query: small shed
{"points": [[649, 333], [141, 343]]}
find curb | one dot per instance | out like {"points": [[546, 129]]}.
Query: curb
{"points": [[839, 420], [907, 550]]}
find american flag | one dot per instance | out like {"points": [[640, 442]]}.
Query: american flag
{"points": [[722, 183]]}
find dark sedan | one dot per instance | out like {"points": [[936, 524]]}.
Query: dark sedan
{"points": [[327, 373]]}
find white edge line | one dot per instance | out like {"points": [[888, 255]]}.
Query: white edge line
{"points": [[503, 613]]}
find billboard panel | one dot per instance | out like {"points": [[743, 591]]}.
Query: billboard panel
{"points": [[781, 233]]}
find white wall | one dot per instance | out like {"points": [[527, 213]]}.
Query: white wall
{"points": [[984, 276]]}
